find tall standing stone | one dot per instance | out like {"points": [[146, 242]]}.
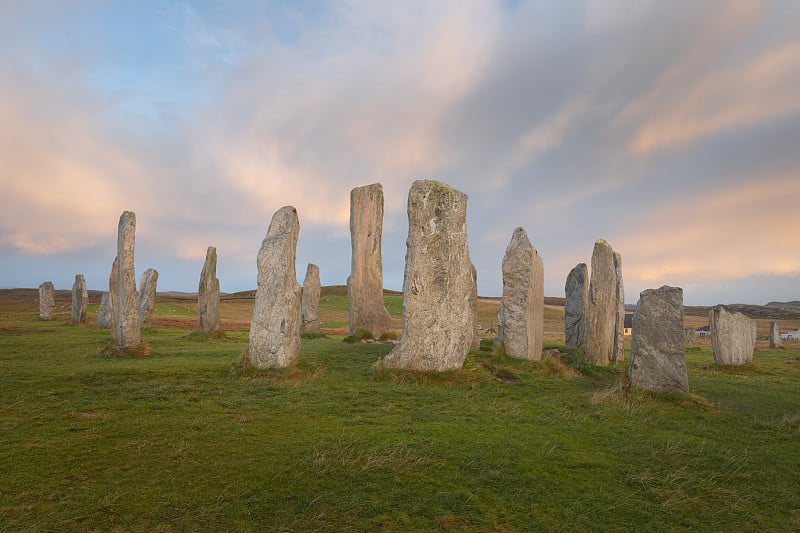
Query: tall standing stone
{"points": [[775, 340], [147, 295], [619, 328], [127, 330], [80, 299], [521, 316], [576, 305], [438, 319], [658, 353], [104, 312], [365, 284], [310, 304], [603, 306], [276, 324], [47, 300], [208, 294], [733, 336]]}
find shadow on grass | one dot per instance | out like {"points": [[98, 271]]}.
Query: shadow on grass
{"points": [[294, 374], [110, 349], [197, 336]]}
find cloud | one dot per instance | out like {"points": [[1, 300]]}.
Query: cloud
{"points": [[715, 236]]}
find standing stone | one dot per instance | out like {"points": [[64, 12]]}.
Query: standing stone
{"points": [[520, 331], [47, 300], [438, 319], [690, 337], [658, 353], [775, 340], [275, 328], [473, 302], [619, 328], [365, 284], [208, 294], [603, 307], [310, 304], [576, 305], [733, 336], [80, 298], [147, 295], [126, 327], [104, 312], [113, 297]]}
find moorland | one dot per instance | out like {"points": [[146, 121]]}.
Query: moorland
{"points": [[188, 439]]}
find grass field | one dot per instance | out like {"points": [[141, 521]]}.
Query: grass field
{"points": [[186, 440]]}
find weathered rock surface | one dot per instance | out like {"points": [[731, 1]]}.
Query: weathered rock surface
{"points": [[658, 353], [275, 328], [365, 284], [733, 336], [576, 305], [208, 294], [310, 304], [104, 312], [147, 295], [127, 330], [520, 319], [438, 319], [80, 299], [619, 328], [775, 340], [603, 308], [47, 300]]}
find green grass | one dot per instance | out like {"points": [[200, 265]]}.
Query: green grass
{"points": [[188, 440]]}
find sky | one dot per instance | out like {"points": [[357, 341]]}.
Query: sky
{"points": [[670, 129]]}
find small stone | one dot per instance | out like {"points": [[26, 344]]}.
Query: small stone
{"points": [[775, 340], [208, 294], [438, 320], [576, 305], [104, 312], [658, 353], [310, 303], [275, 328], [733, 336], [47, 300], [147, 295], [521, 315], [80, 299]]}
